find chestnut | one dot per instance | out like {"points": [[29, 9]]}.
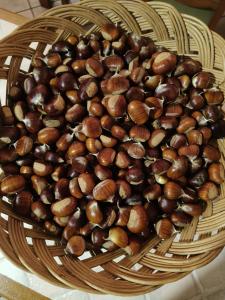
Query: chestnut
{"points": [[211, 153], [115, 105], [156, 137], [180, 218], [86, 183], [192, 209], [33, 122], [164, 228], [166, 205], [110, 32], [76, 245], [202, 80], [104, 190], [94, 67], [136, 150], [22, 203], [12, 184], [214, 96], [172, 190], [216, 173], [118, 236], [164, 62], [139, 133], [187, 66], [106, 156], [167, 91], [98, 237], [218, 129], [93, 212], [122, 160], [48, 135], [138, 219], [199, 178], [152, 192], [91, 127], [135, 93], [134, 176], [66, 82], [208, 191]]}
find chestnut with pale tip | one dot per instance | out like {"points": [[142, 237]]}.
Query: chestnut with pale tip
{"points": [[164, 228], [110, 32], [164, 62], [138, 219], [93, 212], [208, 191], [118, 236], [64, 207], [86, 183], [157, 136]]}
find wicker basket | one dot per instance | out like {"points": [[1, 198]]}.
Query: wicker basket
{"points": [[159, 262]]}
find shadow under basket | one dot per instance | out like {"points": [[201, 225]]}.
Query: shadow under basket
{"points": [[160, 261]]}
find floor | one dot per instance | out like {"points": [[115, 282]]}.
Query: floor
{"points": [[27, 8], [207, 283]]}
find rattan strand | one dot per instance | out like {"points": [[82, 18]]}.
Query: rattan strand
{"points": [[159, 262]]}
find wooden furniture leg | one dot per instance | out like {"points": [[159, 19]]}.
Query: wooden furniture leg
{"points": [[218, 15], [46, 3]]}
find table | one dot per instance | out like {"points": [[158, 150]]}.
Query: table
{"points": [[207, 283]]}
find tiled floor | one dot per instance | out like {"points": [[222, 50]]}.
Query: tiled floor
{"points": [[27, 8]]}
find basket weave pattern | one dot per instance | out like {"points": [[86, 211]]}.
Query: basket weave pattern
{"points": [[159, 262]]}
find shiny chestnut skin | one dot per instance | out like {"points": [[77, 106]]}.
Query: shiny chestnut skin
{"points": [[111, 139]]}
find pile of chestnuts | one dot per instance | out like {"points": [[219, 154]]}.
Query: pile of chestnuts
{"points": [[111, 139]]}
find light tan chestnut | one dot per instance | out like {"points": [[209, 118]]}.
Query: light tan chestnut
{"points": [[64, 207], [104, 190]]}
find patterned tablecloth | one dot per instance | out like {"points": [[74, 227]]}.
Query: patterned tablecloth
{"points": [[207, 283]]}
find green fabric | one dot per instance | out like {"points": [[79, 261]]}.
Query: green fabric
{"points": [[202, 14]]}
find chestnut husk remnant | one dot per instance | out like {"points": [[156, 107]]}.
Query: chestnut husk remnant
{"points": [[111, 139]]}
